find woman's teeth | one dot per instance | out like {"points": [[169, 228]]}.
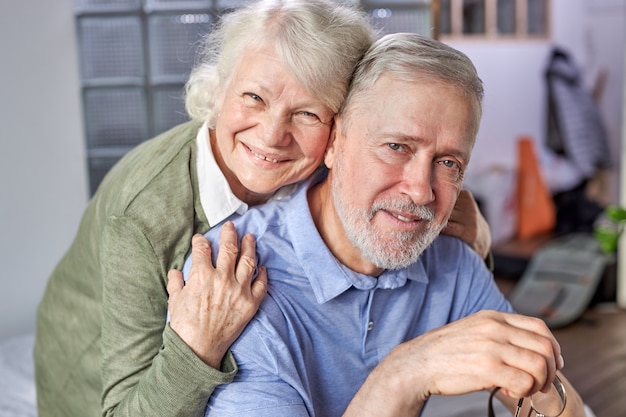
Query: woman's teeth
{"points": [[263, 157]]}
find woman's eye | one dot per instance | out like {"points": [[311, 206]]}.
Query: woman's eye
{"points": [[253, 96], [307, 118], [308, 114]]}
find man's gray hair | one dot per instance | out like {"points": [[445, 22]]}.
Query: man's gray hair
{"points": [[318, 40], [411, 57]]}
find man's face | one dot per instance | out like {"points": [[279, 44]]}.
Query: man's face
{"points": [[397, 172]]}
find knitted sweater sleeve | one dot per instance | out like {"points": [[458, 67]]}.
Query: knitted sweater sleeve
{"points": [[146, 368]]}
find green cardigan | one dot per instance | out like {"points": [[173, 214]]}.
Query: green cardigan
{"points": [[102, 343]]}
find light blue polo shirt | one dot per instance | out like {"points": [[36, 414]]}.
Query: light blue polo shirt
{"points": [[322, 327]]}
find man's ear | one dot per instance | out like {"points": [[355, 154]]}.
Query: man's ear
{"points": [[331, 149]]}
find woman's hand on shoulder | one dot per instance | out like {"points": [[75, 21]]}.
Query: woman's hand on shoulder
{"points": [[212, 308], [468, 224]]}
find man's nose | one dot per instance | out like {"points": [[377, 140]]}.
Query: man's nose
{"points": [[418, 182]]}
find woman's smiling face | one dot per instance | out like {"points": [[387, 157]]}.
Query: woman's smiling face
{"points": [[270, 131]]}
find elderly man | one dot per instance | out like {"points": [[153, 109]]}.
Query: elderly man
{"points": [[369, 310]]}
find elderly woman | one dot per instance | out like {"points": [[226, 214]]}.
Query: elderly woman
{"points": [[262, 101]]}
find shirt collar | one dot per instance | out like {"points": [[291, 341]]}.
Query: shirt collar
{"points": [[217, 199]]}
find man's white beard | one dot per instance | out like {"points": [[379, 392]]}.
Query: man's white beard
{"points": [[385, 249]]}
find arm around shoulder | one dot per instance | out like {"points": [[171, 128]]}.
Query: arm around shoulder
{"points": [[146, 368]]}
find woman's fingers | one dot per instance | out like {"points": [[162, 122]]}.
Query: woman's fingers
{"points": [[175, 282], [259, 286], [246, 266], [228, 251]]}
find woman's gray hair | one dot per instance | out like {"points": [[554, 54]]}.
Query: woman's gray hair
{"points": [[318, 40], [411, 57]]}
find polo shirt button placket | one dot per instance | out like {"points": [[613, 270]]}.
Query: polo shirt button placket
{"points": [[370, 326]]}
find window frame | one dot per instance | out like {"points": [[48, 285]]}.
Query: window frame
{"points": [[490, 24]]}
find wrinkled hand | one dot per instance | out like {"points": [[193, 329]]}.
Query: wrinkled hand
{"points": [[482, 351], [212, 308], [489, 349], [468, 224]]}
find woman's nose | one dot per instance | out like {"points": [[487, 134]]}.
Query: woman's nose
{"points": [[276, 130]]}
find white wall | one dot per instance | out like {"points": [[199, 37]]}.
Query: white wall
{"points": [[514, 103], [42, 159], [594, 32], [605, 47]]}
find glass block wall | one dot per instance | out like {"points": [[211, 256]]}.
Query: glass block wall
{"points": [[135, 56], [401, 15]]}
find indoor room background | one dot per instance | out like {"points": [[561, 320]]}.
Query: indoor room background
{"points": [[44, 166]]}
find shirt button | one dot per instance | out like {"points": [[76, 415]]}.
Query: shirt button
{"points": [[370, 326]]}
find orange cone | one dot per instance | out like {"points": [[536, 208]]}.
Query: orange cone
{"points": [[536, 212]]}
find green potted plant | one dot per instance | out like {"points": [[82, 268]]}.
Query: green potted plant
{"points": [[609, 229]]}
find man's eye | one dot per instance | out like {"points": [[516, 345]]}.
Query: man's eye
{"points": [[450, 170], [449, 163], [395, 146]]}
